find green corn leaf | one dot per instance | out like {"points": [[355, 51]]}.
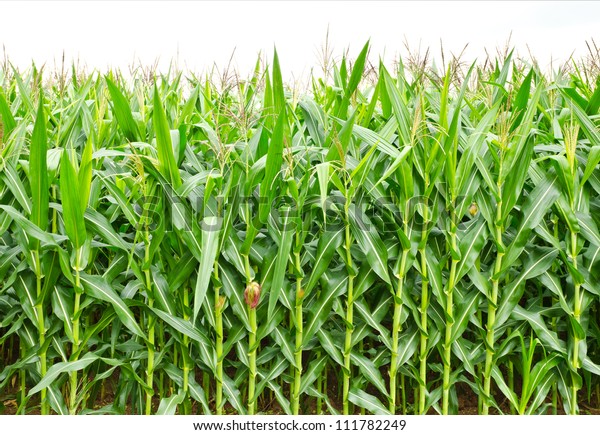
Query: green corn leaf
{"points": [[268, 111], [277, 369], [233, 395], [38, 173], [25, 284], [282, 400], [56, 400], [367, 401], [564, 176], [123, 113], [196, 390], [536, 206], [162, 294], [472, 150], [408, 343], [118, 196], [166, 157], [585, 122], [210, 240], [272, 168], [188, 108], [321, 309], [85, 175], [31, 229], [268, 326], [284, 339], [99, 289], [312, 373], [186, 328], [283, 252], [181, 325], [363, 310], [13, 182], [518, 158], [541, 393], [536, 263], [233, 288], [168, 405], [503, 387], [403, 118], [315, 119], [370, 243], [353, 82], [548, 338], [374, 139], [589, 228], [278, 95], [339, 144], [99, 225], [328, 243], [234, 337], [470, 246], [592, 163], [370, 372], [64, 367], [594, 101], [520, 101], [330, 347], [6, 115], [500, 80], [465, 310], [71, 202], [62, 306]]}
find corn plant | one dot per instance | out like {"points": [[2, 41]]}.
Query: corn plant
{"points": [[394, 240]]}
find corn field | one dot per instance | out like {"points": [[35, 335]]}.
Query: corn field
{"points": [[397, 241]]}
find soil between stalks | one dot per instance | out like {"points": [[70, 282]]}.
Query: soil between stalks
{"points": [[467, 404]]}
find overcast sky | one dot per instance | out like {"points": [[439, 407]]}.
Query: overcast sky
{"points": [[200, 34]]}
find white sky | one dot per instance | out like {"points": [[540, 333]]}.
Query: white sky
{"points": [[200, 34]]}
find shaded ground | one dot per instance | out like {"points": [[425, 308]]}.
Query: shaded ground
{"points": [[467, 403]]}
